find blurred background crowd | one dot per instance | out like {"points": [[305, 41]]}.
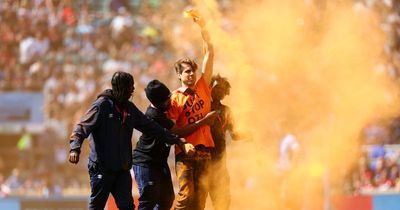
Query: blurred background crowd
{"points": [[377, 170], [67, 51]]}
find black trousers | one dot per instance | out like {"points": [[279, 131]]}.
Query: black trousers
{"points": [[118, 183], [155, 187]]}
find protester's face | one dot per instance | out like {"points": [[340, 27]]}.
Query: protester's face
{"points": [[218, 92], [188, 75]]}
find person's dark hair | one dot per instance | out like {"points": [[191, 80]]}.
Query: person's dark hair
{"points": [[157, 92], [178, 64], [122, 84], [222, 81]]}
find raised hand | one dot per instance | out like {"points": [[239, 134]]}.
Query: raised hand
{"points": [[200, 21], [194, 14]]}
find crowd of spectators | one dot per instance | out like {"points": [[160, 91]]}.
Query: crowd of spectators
{"points": [[390, 13], [389, 19], [377, 169], [68, 50]]}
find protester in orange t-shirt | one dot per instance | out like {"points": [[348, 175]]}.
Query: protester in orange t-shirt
{"points": [[189, 103], [189, 106]]}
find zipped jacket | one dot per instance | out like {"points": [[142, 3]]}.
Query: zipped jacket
{"points": [[109, 127]]}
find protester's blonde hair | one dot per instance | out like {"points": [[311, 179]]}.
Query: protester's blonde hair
{"points": [[178, 64]]}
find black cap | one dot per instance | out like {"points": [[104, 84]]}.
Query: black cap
{"points": [[157, 92]]}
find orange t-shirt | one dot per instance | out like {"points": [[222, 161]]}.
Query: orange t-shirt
{"points": [[188, 107]]}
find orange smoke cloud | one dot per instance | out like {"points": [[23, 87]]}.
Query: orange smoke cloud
{"points": [[302, 68]]}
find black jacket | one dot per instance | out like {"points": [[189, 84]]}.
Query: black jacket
{"points": [[150, 151], [110, 126]]}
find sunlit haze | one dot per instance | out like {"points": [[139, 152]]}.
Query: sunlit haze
{"points": [[298, 69]]}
